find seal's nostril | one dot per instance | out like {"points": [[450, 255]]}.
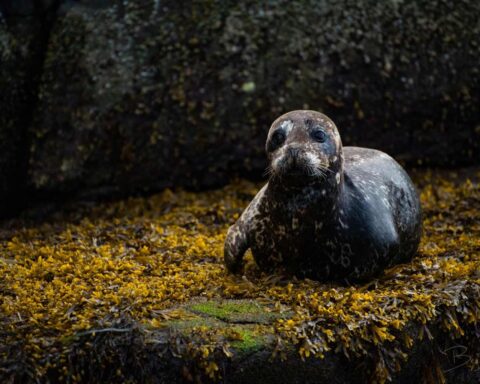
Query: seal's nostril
{"points": [[294, 152]]}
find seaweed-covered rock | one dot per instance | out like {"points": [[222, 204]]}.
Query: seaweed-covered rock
{"points": [[147, 94], [136, 291]]}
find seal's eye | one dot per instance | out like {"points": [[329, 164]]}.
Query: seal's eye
{"points": [[278, 138], [319, 136]]}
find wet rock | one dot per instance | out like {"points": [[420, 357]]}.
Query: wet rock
{"points": [[143, 95]]}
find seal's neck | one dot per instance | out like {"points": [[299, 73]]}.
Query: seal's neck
{"points": [[320, 197]]}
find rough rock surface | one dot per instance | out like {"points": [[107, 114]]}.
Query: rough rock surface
{"points": [[147, 94], [21, 31]]}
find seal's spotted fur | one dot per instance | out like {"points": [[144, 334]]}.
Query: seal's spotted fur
{"points": [[327, 212]]}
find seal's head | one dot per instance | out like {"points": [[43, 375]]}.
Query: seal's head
{"points": [[304, 147]]}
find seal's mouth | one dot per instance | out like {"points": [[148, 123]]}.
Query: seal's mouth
{"points": [[298, 166], [296, 170]]}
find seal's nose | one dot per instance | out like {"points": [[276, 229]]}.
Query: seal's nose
{"points": [[293, 152], [294, 156]]}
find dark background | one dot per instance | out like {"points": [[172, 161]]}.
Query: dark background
{"points": [[102, 98]]}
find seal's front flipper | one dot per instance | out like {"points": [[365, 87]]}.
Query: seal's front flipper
{"points": [[236, 244]]}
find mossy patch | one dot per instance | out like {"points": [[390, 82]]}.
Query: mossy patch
{"points": [[236, 311], [185, 327], [248, 340], [245, 326]]}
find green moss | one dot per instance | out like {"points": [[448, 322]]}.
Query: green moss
{"points": [[235, 311], [248, 340], [186, 326]]}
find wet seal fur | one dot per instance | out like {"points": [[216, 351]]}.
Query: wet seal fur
{"points": [[327, 212]]}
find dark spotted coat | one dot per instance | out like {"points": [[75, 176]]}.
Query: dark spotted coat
{"points": [[327, 212]]}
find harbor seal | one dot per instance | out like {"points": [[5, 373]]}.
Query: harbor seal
{"points": [[327, 212]]}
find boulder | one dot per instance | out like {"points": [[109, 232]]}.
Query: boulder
{"points": [[143, 95]]}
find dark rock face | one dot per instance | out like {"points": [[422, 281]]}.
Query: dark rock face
{"points": [[147, 106], [140, 95], [146, 94], [22, 37]]}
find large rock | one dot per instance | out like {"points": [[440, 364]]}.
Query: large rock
{"points": [[23, 32], [147, 94]]}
